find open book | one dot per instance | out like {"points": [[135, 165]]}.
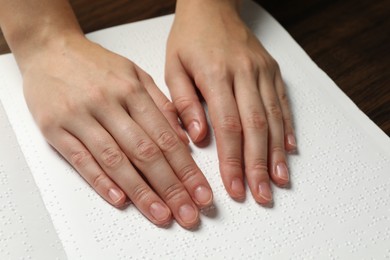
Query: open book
{"points": [[338, 205]]}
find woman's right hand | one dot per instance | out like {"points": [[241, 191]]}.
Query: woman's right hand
{"points": [[112, 124]]}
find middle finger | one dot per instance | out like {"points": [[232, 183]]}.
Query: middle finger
{"points": [[255, 130]]}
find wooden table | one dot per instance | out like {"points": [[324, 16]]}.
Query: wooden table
{"points": [[348, 39]]}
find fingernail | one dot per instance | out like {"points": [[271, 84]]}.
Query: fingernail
{"points": [[238, 187], [203, 195], [194, 130], [282, 171], [265, 191], [158, 211], [187, 214], [115, 195], [291, 140]]}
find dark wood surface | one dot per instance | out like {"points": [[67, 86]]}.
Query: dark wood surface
{"points": [[348, 39]]}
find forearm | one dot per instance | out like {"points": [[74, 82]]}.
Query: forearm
{"points": [[215, 11], [195, 5], [30, 25]]}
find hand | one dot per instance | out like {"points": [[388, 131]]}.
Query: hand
{"points": [[102, 113], [211, 49]]}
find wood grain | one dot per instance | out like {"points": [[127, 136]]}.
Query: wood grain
{"points": [[348, 39]]}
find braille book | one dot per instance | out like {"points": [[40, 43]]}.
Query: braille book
{"points": [[338, 205]]}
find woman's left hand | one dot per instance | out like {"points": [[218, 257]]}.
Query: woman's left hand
{"points": [[211, 49]]}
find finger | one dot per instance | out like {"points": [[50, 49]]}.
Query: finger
{"points": [[277, 159], [255, 131], [227, 128], [147, 156], [163, 104], [186, 100], [116, 165], [289, 136], [176, 153], [81, 159]]}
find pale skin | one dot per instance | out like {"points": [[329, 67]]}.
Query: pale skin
{"points": [[106, 116]]}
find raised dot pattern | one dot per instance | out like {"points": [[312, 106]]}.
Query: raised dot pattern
{"points": [[26, 231], [337, 206]]}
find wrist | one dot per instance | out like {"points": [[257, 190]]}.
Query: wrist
{"points": [[193, 6], [201, 14], [47, 44], [30, 28]]}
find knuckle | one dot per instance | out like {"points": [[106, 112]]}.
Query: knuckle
{"points": [[167, 141], [256, 120], [183, 103], [287, 121], [79, 159], [95, 96], [73, 108], [169, 107], [277, 149], [188, 173], [267, 63], [46, 122], [127, 131], [146, 150], [130, 88], [245, 63], [232, 161], [175, 191], [274, 111], [258, 164], [284, 98], [140, 192], [171, 77], [112, 157], [231, 124], [98, 180], [262, 61], [216, 71]]}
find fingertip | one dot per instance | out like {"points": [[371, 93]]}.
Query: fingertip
{"points": [[161, 214], [188, 216], [281, 174], [203, 196], [196, 131], [264, 194], [290, 143], [116, 197], [237, 189]]}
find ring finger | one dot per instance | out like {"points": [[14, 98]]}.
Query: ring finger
{"points": [[276, 157]]}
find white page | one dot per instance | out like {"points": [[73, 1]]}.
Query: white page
{"points": [[26, 230], [337, 207]]}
